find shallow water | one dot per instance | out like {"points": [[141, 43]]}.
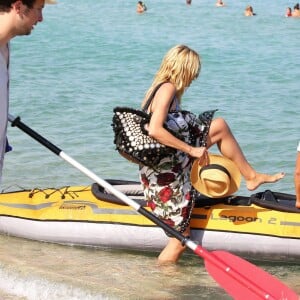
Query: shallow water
{"points": [[90, 56], [36, 270]]}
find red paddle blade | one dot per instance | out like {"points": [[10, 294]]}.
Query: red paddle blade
{"points": [[243, 280]]}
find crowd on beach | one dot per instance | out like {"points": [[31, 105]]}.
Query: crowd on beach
{"points": [[248, 12]]}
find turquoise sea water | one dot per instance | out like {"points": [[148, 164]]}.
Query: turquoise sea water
{"points": [[90, 56]]}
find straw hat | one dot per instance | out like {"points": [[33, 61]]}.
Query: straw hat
{"points": [[219, 179], [50, 2]]}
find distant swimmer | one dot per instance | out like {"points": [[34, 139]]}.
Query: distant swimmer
{"points": [[220, 3], [141, 7], [288, 12], [249, 11], [296, 11], [188, 2]]}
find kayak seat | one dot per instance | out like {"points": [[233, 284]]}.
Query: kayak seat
{"points": [[131, 189], [275, 201]]}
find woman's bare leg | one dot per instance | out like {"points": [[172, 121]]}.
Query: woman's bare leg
{"points": [[172, 252], [221, 135], [297, 180]]}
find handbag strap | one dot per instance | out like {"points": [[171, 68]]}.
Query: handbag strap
{"points": [[146, 106]]}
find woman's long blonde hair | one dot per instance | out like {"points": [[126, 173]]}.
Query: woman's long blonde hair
{"points": [[180, 66]]}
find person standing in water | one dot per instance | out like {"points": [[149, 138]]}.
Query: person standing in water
{"points": [[167, 188]]}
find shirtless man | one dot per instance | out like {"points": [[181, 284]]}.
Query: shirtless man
{"points": [[17, 17]]}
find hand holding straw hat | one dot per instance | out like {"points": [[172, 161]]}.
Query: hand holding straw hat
{"points": [[220, 178]]}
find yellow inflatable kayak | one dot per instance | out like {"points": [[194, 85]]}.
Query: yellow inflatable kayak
{"points": [[265, 226]]}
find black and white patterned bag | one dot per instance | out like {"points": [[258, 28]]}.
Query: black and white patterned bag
{"points": [[132, 139]]}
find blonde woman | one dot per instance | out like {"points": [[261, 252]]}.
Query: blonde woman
{"points": [[168, 189]]}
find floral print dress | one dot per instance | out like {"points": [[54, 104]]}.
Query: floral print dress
{"points": [[167, 189]]}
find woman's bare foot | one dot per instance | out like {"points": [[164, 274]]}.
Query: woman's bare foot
{"points": [[260, 178]]}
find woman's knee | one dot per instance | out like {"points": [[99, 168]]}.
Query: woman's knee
{"points": [[218, 128], [219, 124]]}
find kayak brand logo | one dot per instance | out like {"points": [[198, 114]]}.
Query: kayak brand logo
{"points": [[72, 205], [234, 219]]}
